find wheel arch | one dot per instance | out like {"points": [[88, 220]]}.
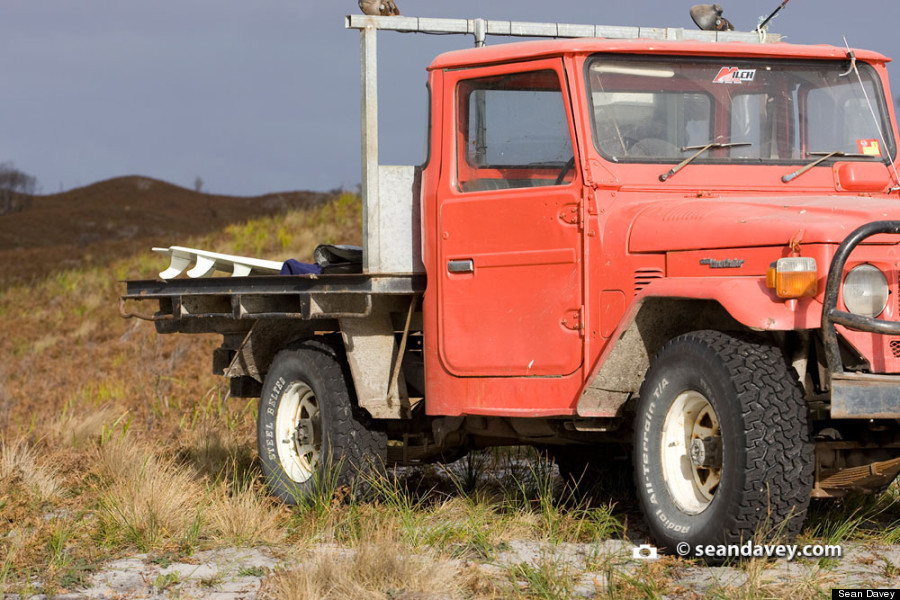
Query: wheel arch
{"points": [[251, 354], [367, 346], [653, 321]]}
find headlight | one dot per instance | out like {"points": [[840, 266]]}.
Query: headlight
{"points": [[865, 291]]}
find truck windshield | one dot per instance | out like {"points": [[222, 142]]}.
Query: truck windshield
{"points": [[770, 111]]}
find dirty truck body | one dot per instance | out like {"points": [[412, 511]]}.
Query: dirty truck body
{"points": [[674, 254]]}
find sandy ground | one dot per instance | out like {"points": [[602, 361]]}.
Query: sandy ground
{"points": [[235, 573]]}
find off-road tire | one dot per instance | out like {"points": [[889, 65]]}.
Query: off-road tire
{"points": [[767, 467], [347, 442]]}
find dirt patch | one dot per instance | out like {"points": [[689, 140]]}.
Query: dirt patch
{"points": [[588, 570], [221, 574], [224, 574]]}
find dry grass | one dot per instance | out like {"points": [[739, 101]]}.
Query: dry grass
{"points": [[760, 582], [242, 515], [150, 502], [138, 446], [20, 465], [65, 347], [90, 428], [373, 571], [217, 452]]}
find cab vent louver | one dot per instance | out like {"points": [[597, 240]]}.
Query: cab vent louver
{"points": [[643, 278]]}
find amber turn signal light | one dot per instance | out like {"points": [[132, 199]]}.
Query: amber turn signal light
{"points": [[793, 277]]}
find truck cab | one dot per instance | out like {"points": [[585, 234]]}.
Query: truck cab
{"points": [[601, 215], [551, 213], [681, 253]]}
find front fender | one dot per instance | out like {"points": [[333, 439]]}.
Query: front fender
{"points": [[670, 307], [746, 299]]}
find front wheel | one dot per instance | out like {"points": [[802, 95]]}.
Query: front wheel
{"points": [[308, 428], [722, 446]]}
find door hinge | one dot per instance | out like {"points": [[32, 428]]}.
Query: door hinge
{"points": [[588, 202], [574, 320], [571, 214]]}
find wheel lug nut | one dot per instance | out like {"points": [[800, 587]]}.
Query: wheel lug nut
{"points": [[706, 452]]}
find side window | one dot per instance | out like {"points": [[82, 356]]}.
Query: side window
{"points": [[513, 132]]}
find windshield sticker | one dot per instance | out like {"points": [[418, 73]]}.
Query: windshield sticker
{"points": [[735, 75], [869, 147]]}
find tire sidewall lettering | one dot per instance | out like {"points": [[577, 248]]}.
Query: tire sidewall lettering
{"points": [[344, 434], [653, 489], [666, 383], [267, 431]]}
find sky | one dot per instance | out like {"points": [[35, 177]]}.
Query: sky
{"points": [[263, 95]]}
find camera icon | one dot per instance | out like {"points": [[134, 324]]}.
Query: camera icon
{"points": [[644, 552]]}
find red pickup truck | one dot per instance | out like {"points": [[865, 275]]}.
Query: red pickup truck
{"points": [[681, 249]]}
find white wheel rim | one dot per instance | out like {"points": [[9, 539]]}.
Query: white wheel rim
{"points": [[298, 432], [691, 418]]}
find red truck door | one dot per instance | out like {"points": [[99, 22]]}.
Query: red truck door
{"points": [[510, 244]]}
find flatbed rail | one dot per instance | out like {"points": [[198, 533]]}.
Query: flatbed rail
{"points": [[213, 303]]}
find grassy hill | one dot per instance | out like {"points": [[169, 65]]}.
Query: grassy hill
{"points": [[90, 225], [63, 341]]}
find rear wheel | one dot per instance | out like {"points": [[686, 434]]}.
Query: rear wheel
{"points": [[722, 444], [308, 428]]}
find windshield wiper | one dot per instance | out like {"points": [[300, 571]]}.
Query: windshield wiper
{"points": [[699, 150], [823, 156]]}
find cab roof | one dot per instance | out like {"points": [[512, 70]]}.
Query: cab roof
{"points": [[518, 51]]}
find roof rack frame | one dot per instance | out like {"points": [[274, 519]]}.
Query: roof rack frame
{"points": [[480, 29]]}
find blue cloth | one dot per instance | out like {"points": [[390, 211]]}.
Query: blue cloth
{"points": [[295, 267]]}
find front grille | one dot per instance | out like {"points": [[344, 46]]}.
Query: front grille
{"points": [[895, 348]]}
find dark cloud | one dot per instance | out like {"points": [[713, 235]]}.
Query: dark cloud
{"points": [[260, 96]]}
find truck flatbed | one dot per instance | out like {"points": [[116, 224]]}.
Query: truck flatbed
{"points": [[226, 304]]}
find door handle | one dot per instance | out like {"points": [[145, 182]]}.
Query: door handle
{"points": [[461, 266]]}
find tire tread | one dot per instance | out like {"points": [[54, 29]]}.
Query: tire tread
{"points": [[352, 437], [779, 452]]}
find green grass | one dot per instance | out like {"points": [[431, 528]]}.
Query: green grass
{"points": [[164, 581], [856, 518], [252, 572], [549, 579]]}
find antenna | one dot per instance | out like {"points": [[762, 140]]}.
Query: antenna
{"points": [[854, 69], [765, 22]]}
